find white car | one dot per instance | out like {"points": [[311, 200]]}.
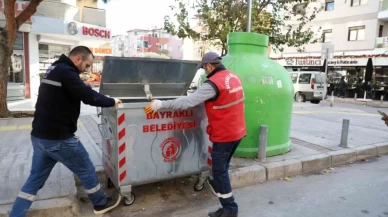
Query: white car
{"points": [[309, 86]]}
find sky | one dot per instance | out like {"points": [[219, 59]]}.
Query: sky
{"points": [[123, 15]]}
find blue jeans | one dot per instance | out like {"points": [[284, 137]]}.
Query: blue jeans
{"points": [[221, 155], [47, 153]]}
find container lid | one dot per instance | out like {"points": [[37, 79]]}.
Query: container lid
{"points": [[127, 77], [248, 38]]}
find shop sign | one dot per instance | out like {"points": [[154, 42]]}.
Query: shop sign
{"points": [[303, 62], [72, 28], [343, 62], [95, 32], [19, 7], [105, 49]]}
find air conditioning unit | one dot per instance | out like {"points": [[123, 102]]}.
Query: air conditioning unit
{"points": [[299, 9]]}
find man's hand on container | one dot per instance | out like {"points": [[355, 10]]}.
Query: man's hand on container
{"points": [[153, 107], [117, 101]]}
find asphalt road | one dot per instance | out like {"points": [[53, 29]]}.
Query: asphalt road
{"points": [[356, 190]]}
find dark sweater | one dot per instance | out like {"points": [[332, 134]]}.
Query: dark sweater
{"points": [[59, 103]]}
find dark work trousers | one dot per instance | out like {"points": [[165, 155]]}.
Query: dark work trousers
{"points": [[221, 155]]}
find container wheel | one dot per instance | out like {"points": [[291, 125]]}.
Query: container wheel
{"points": [[299, 97], [198, 187], [109, 183], [129, 200]]}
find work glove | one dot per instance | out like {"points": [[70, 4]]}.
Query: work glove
{"points": [[117, 101], [153, 107]]}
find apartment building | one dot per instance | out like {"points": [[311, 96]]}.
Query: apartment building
{"points": [[195, 49], [55, 28], [148, 43], [356, 29]]}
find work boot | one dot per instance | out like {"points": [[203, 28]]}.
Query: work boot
{"points": [[112, 202], [217, 213], [210, 182], [221, 213], [228, 214]]}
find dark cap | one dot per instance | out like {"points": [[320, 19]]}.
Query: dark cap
{"points": [[210, 57]]}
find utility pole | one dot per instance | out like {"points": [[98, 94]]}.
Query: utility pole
{"points": [[249, 15]]}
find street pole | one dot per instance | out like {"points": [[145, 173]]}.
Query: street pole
{"points": [[327, 63], [344, 133], [262, 149], [249, 15]]}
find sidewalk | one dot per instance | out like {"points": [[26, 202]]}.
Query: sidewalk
{"points": [[315, 132], [373, 103], [59, 192]]}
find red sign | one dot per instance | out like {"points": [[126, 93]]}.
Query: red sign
{"points": [[171, 148], [19, 7], [99, 33], [183, 125], [175, 114]]}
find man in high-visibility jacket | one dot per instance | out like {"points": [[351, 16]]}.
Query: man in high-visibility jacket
{"points": [[223, 96]]}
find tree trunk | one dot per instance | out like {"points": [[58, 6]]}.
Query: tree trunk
{"points": [[5, 56]]}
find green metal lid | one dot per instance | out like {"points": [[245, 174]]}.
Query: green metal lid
{"points": [[248, 38]]}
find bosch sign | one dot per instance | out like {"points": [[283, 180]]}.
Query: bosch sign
{"points": [[95, 32]]}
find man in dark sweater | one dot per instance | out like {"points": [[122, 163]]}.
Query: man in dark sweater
{"points": [[55, 122]]}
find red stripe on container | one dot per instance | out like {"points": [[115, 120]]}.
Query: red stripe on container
{"points": [[122, 148], [209, 161], [121, 133], [209, 149], [122, 162], [121, 119], [123, 175]]}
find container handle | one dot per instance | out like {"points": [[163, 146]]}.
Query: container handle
{"points": [[102, 134], [99, 111]]}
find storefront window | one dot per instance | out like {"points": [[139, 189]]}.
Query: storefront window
{"points": [[93, 76], [49, 53], [381, 76], [16, 69]]}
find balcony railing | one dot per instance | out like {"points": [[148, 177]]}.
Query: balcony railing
{"points": [[381, 42]]}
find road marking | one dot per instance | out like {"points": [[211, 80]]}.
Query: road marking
{"points": [[23, 127], [337, 112], [6, 128]]}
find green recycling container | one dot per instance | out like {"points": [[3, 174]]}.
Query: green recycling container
{"points": [[268, 91]]}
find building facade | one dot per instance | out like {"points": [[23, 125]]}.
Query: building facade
{"points": [[195, 49], [147, 43], [55, 28], [354, 30]]}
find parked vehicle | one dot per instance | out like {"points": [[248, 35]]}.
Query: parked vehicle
{"points": [[309, 86]]}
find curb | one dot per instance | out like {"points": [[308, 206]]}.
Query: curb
{"points": [[371, 104], [259, 173], [57, 207], [251, 175], [364, 152]]}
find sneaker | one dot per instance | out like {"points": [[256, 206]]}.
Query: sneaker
{"points": [[217, 213], [210, 182], [112, 202]]}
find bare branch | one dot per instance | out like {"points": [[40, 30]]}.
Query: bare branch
{"points": [[263, 5], [27, 13]]}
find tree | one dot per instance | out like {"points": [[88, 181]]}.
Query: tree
{"points": [[269, 17], [7, 40]]}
